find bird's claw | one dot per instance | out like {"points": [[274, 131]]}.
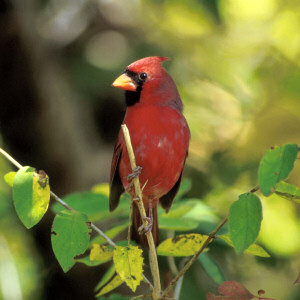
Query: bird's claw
{"points": [[146, 229], [135, 173]]}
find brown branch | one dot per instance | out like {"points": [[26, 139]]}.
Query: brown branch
{"points": [[211, 236]]}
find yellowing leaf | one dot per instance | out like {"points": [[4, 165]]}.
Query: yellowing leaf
{"points": [[101, 253], [41, 194], [129, 265], [31, 194], [114, 283], [9, 178], [182, 245], [254, 249]]}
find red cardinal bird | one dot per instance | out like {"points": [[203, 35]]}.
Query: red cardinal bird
{"points": [[160, 138]]}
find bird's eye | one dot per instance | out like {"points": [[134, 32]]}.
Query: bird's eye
{"points": [[143, 76]]}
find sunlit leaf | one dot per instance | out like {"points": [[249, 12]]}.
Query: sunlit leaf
{"points": [[184, 224], [245, 217], [114, 283], [288, 191], [106, 277], [280, 217], [101, 253], [181, 245], [178, 210], [275, 166], [70, 237], [200, 211], [129, 265], [9, 178], [211, 268], [31, 194], [253, 249]]}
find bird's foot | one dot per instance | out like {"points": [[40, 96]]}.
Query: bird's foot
{"points": [[135, 173], [146, 229]]}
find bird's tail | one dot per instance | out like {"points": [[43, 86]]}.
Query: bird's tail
{"points": [[137, 222]]}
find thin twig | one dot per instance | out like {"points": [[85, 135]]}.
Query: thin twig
{"points": [[211, 236], [12, 160], [152, 251], [255, 189], [65, 205], [129, 225]]}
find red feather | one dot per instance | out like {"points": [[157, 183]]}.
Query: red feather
{"points": [[160, 138]]}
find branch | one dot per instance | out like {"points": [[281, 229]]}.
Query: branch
{"points": [[139, 198], [211, 236], [65, 205]]}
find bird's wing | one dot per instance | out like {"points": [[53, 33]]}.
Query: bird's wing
{"points": [[167, 199], [116, 186]]}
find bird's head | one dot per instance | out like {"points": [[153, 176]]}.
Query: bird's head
{"points": [[146, 81]]}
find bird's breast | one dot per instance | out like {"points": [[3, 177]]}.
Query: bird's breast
{"points": [[160, 138]]}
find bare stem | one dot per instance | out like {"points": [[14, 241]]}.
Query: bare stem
{"points": [[65, 205], [211, 236], [139, 198], [12, 160], [129, 223]]}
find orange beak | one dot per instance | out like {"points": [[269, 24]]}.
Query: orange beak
{"points": [[124, 82]]}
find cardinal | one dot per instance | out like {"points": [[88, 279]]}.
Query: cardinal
{"points": [[160, 138]]}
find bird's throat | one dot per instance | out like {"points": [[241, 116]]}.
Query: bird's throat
{"points": [[132, 98]]}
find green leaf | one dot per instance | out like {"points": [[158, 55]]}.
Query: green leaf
{"points": [[111, 233], [94, 205], [185, 186], [129, 265], [181, 245], [86, 261], [253, 249], [183, 224], [178, 210], [275, 166], [211, 268], [115, 297], [114, 283], [106, 277], [245, 217], [9, 178], [288, 191], [101, 253], [70, 237], [31, 194]]}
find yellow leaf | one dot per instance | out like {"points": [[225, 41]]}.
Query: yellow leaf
{"points": [[101, 188], [129, 265], [182, 245], [101, 253], [40, 194], [254, 249], [114, 283], [9, 178]]}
